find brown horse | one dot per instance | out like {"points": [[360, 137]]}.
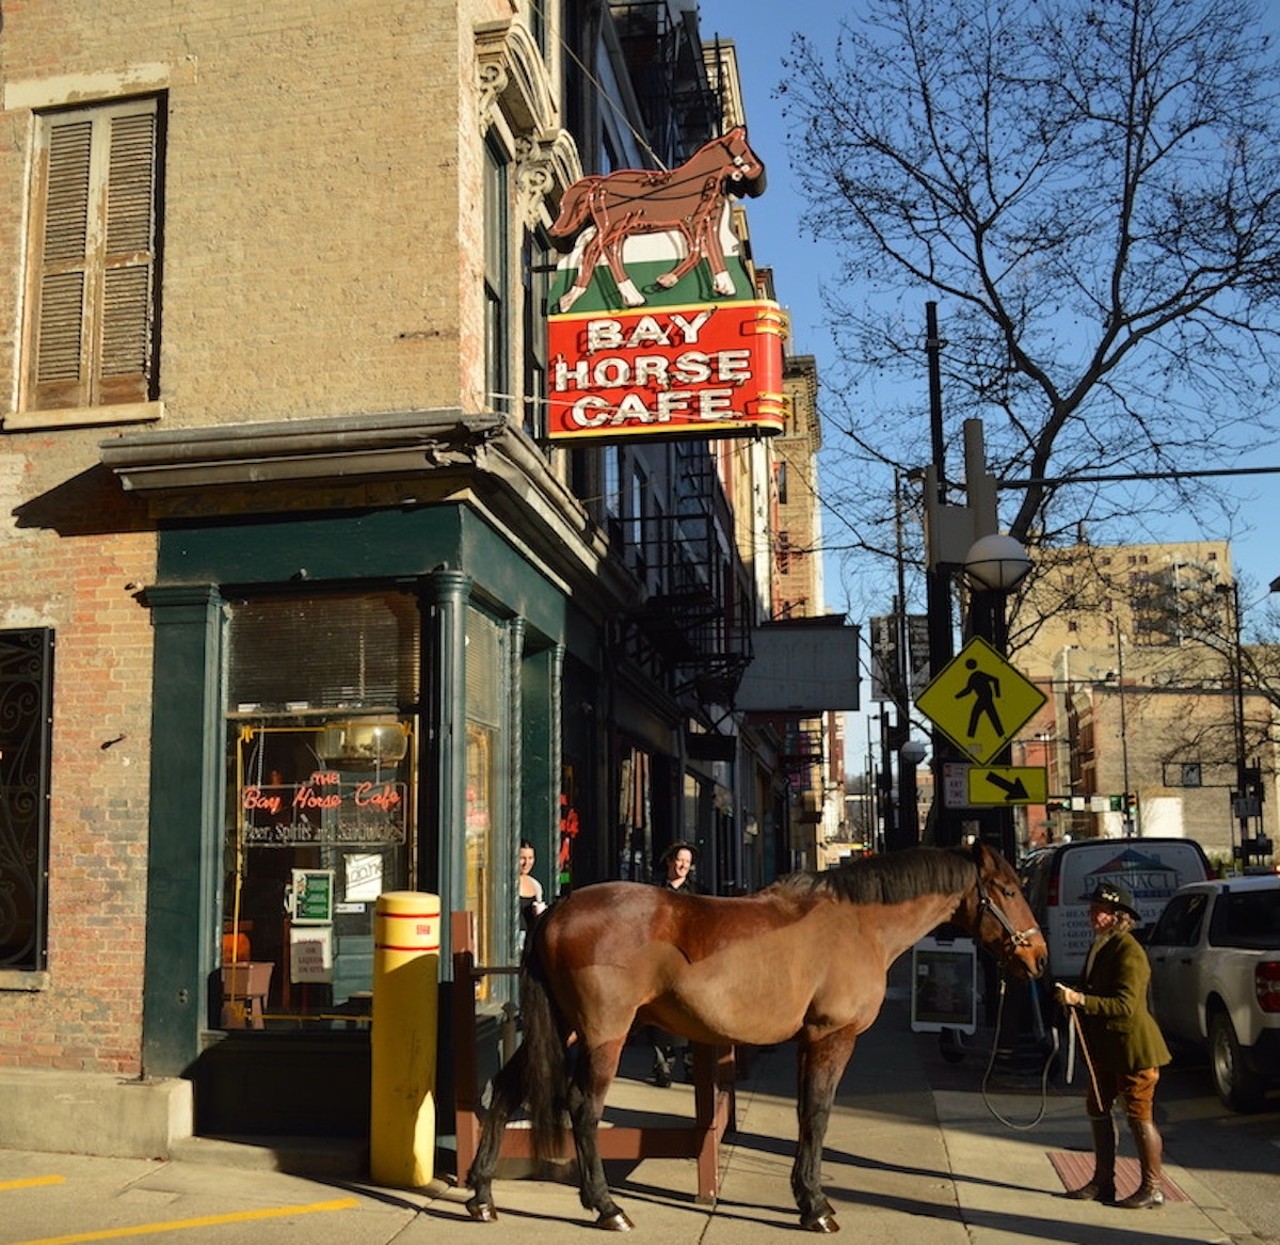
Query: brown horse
{"points": [[805, 959], [689, 200]]}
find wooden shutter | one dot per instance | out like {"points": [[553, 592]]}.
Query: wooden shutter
{"points": [[93, 332]]}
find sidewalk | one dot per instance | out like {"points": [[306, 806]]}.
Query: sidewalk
{"points": [[903, 1162]]}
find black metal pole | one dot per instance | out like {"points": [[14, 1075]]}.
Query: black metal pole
{"points": [[946, 822]]}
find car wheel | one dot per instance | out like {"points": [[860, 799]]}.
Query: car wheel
{"points": [[1238, 1088]]}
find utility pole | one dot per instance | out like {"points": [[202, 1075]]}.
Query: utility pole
{"points": [[1240, 798], [946, 822], [1130, 826]]}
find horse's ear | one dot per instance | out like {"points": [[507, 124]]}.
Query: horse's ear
{"points": [[979, 853]]}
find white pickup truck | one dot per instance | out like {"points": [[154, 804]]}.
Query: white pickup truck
{"points": [[1215, 981]]}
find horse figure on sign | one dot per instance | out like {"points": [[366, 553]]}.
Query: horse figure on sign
{"points": [[820, 943], [689, 201]]}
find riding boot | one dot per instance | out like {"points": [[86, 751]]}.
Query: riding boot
{"points": [[1148, 1193], [1102, 1187]]}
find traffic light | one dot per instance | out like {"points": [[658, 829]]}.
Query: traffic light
{"points": [[1253, 784], [1130, 801]]}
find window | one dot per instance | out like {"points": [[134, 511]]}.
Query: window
{"points": [[538, 23], [1179, 924], [486, 816], [26, 683], [320, 776], [611, 467], [537, 267], [92, 324], [497, 388]]}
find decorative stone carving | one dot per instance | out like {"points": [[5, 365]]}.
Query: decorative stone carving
{"points": [[513, 78], [546, 166]]}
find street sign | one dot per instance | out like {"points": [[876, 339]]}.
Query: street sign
{"points": [[1008, 784], [979, 701]]}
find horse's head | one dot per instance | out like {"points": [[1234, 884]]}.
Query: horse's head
{"points": [[999, 917], [745, 169]]}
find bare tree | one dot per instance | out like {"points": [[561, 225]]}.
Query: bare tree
{"points": [[1091, 191]]}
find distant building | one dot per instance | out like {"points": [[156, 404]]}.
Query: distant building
{"points": [[1139, 731]]}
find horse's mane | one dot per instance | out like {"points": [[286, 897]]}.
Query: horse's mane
{"points": [[893, 878]]}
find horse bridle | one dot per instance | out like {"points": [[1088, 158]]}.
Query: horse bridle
{"points": [[1017, 938]]}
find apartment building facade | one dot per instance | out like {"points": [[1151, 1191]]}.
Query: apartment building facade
{"points": [[1145, 727]]}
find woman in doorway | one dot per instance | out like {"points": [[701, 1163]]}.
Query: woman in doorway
{"points": [[531, 901], [676, 865]]}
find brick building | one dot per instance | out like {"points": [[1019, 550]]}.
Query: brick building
{"points": [[297, 603], [1132, 645]]}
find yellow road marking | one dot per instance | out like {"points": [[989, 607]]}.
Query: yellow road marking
{"points": [[203, 1221], [31, 1182]]}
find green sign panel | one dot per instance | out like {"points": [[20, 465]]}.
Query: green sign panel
{"points": [[312, 897]]}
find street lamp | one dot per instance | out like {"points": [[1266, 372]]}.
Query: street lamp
{"points": [[1129, 823], [909, 757], [995, 565]]}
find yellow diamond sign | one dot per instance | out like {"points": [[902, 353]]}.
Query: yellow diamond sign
{"points": [[979, 701]]}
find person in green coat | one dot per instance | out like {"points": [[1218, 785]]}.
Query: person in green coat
{"points": [[1123, 1046]]}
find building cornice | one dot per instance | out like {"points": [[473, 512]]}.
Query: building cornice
{"points": [[397, 458]]}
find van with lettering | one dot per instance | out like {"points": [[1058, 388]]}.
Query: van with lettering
{"points": [[1058, 881]]}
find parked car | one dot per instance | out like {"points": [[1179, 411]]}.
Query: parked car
{"points": [[1058, 881], [1215, 981]]}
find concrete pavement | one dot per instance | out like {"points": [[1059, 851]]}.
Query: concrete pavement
{"points": [[913, 1152]]}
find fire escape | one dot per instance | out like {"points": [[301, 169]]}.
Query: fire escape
{"points": [[664, 61], [693, 629]]}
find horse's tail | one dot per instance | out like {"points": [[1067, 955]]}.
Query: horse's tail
{"points": [[575, 207], [546, 1076]]}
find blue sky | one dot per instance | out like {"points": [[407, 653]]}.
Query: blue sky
{"points": [[761, 31]]}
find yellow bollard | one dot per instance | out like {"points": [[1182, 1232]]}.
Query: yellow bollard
{"points": [[406, 1009]]}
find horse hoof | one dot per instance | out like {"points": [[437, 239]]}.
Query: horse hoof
{"points": [[482, 1212], [617, 1222], [825, 1222]]}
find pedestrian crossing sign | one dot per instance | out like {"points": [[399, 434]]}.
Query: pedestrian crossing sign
{"points": [[979, 701]]}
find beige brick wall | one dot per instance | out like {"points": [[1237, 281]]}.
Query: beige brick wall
{"points": [[321, 248], [322, 256]]}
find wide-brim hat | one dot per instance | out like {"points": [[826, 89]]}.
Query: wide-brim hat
{"points": [[1115, 895], [672, 848]]}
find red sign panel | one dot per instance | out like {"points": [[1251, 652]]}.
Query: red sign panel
{"points": [[700, 370]]}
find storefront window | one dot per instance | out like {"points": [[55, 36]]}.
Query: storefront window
{"points": [[486, 710], [320, 767]]}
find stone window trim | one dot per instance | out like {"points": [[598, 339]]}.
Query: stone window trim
{"points": [[516, 101]]}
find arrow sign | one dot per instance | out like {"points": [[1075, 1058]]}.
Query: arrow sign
{"points": [[1013, 790], [1008, 784]]}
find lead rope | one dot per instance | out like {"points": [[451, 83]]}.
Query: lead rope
{"points": [[1078, 1029], [1044, 1074]]}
